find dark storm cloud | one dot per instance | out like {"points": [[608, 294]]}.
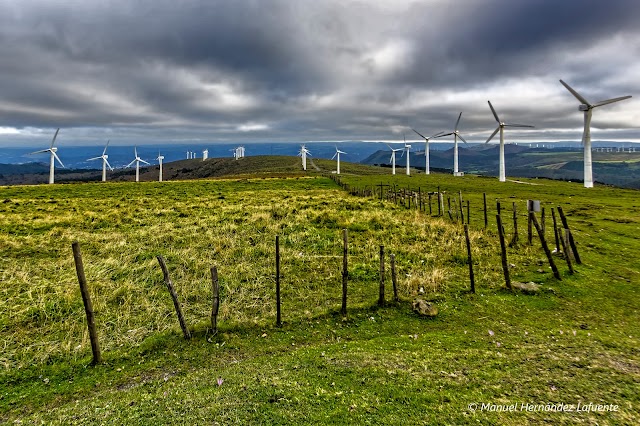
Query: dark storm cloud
{"points": [[292, 70]]}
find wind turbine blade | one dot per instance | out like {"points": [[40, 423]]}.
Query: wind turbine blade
{"points": [[462, 139], [108, 165], [437, 135], [493, 134], [105, 148], [574, 93], [334, 155], [495, 114], [94, 158], [443, 135], [57, 158], [457, 122], [135, 150], [610, 101], [142, 161], [419, 134], [54, 138], [517, 125], [41, 151], [129, 165]]}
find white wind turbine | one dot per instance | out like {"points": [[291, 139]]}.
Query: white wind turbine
{"points": [[160, 158], [303, 154], [337, 154], [52, 151], [137, 160], [456, 135], [105, 162], [587, 108], [500, 128], [426, 148], [393, 159], [407, 148]]}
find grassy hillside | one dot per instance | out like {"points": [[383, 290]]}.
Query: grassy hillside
{"points": [[574, 342]]}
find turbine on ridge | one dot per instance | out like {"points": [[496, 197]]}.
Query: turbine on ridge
{"points": [[105, 162], [52, 151]]}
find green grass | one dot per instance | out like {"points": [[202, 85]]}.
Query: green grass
{"points": [[575, 341]]}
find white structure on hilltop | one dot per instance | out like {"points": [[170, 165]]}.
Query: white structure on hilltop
{"points": [[105, 162], [160, 158], [205, 155], [500, 128], [393, 159], [587, 108], [407, 149], [337, 154], [137, 160], [456, 135], [426, 148], [53, 156], [303, 154]]}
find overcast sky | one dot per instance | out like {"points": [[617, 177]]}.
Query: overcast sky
{"points": [[155, 71]]}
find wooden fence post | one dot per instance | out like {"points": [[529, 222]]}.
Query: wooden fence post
{"points": [[484, 199], [88, 307], [545, 247], [394, 278], [555, 229], [503, 251], [514, 239], [381, 293], [439, 202], [278, 306], [567, 254], [572, 243], [345, 272], [529, 224], [216, 299], [429, 204], [469, 258], [174, 297]]}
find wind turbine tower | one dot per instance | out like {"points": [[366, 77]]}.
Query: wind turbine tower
{"points": [[456, 135], [53, 156], [337, 154], [426, 148], [137, 160], [105, 162], [303, 154], [160, 158], [393, 159], [500, 128], [587, 108], [407, 148], [205, 155]]}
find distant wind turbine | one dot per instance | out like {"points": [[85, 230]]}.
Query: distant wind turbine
{"points": [[426, 148], [500, 128], [303, 154], [393, 159], [105, 162], [587, 108], [137, 160], [407, 148], [52, 151], [456, 135], [160, 158], [337, 154]]}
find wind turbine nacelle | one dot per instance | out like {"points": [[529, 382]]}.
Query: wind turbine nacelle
{"points": [[583, 107], [407, 146], [105, 156]]}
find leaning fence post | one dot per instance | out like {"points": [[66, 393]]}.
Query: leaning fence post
{"points": [[572, 243], [381, 293], [345, 272], [394, 278], [545, 247], [174, 296], [278, 311], [216, 299], [503, 251], [567, 255], [470, 260], [86, 300]]}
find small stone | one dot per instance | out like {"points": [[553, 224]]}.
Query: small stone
{"points": [[424, 308], [526, 288], [541, 271]]}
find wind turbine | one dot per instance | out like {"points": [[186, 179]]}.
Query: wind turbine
{"points": [[303, 154], [105, 162], [137, 160], [500, 128], [407, 148], [587, 108], [393, 159], [337, 154], [160, 158], [52, 150], [456, 135], [426, 148]]}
